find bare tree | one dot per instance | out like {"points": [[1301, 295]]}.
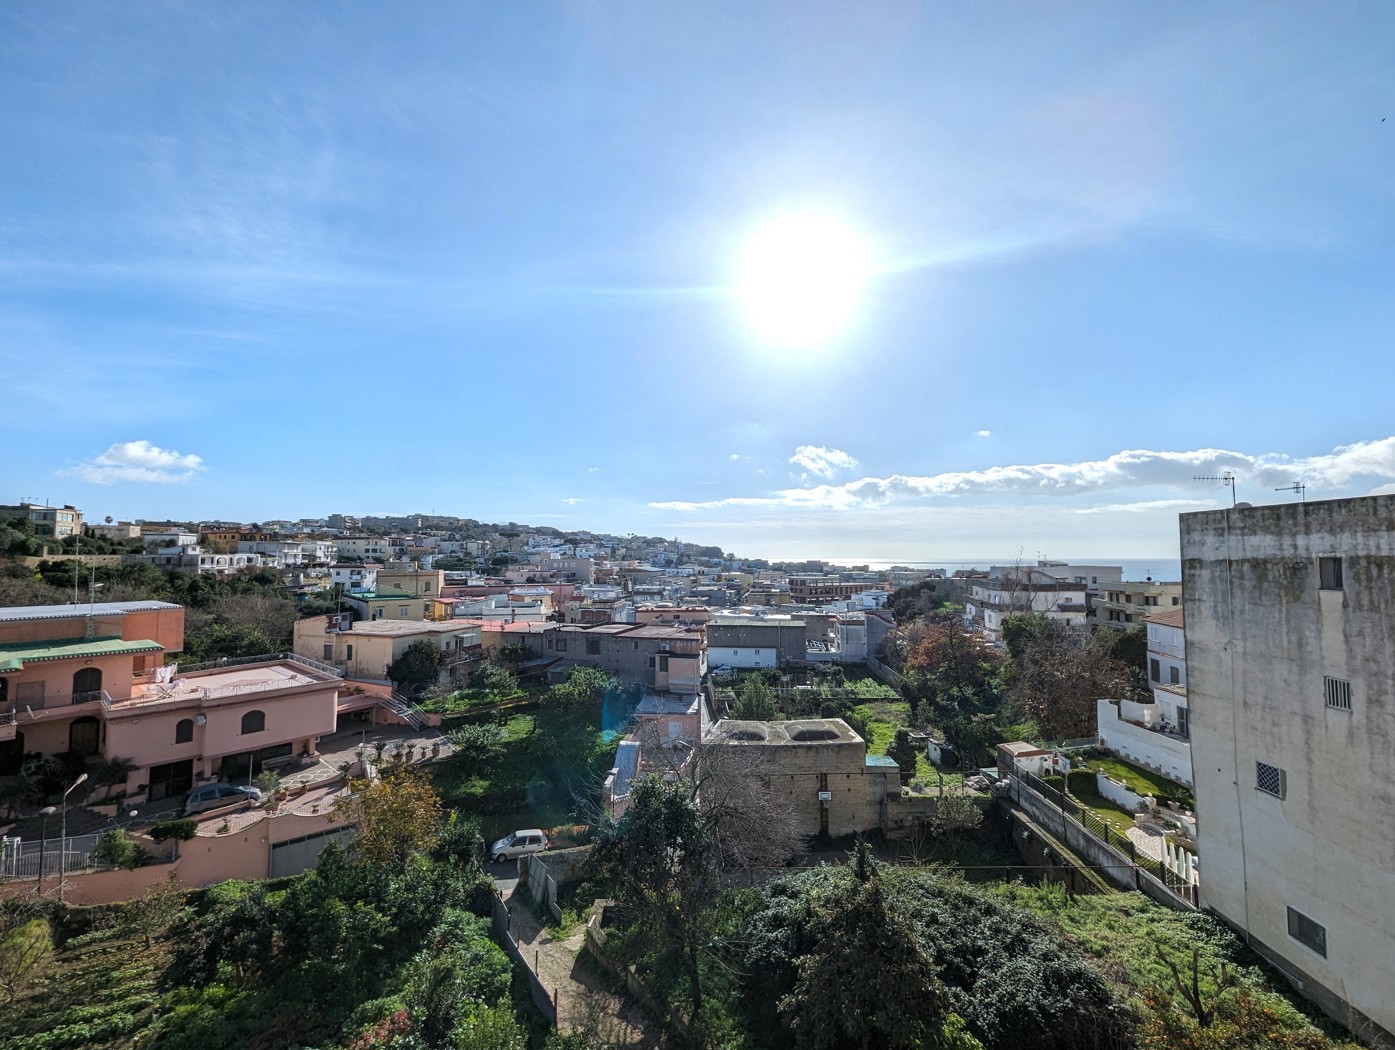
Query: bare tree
{"points": [[752, 826]]}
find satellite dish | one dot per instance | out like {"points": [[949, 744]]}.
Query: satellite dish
{"points": [[108, 519], [200, 720]]}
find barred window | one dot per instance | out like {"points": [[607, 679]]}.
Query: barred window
{"points": [[1336, 692], [1270, 779], [1305, 931]]}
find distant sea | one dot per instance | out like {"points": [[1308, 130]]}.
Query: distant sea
{"points": [[1166, 570]]}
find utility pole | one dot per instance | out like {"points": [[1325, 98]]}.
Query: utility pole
{"points": [[63, 837]]}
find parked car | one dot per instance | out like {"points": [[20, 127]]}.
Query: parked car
{"points": [[511, 847], [211, 796]]}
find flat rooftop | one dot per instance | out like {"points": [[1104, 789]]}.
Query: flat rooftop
{"points": [[803, 732], [230, 683], [17, 614], [407, 628]]}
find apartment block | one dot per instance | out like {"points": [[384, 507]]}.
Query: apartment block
{"points": [[1290, 636], [57, 522]]}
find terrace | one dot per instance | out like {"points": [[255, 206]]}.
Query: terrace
{"points": [[233, 680]]}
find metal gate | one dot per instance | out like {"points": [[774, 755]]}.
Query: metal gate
{"points": [[296, 855]]}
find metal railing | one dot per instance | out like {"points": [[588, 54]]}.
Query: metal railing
{"points": [[234, 661], [1120, 844]]}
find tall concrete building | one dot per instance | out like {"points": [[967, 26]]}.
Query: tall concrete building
{"points": [[1290, 634]]}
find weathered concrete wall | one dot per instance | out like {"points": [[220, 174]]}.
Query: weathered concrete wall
{"points": [[1261, 636]]}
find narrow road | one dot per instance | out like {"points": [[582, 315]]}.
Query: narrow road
{"points": [[583, 1002]]}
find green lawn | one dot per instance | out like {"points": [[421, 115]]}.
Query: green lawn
{"points": [[1140, 780], [1085, 792]]}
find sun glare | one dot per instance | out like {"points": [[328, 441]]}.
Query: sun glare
{"points": [[802, 277]]}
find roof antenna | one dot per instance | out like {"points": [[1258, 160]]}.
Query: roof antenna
{"points": [[1297, 487], [1225, 478]]}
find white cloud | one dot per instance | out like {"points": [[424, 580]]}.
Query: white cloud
{"points": [[823, 462], [1130, 469], [983, 433], [735, 456], [571, 499], [137, 461], [593, 470]]}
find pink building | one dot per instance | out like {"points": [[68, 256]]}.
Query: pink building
{"points": [[91, 679]]}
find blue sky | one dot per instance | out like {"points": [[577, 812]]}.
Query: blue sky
{"points": [[271, 260]]}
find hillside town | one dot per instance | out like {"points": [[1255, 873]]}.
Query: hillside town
{"points": [[184, 703]]}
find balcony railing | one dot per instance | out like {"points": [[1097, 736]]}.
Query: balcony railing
{"points": [[87, 696], [234, 661]]}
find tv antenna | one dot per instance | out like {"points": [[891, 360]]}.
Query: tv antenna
{"points": [[1297, 487], [1225, 478]]}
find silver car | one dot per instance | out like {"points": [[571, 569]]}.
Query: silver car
{"points": [[211, 796], [520, 843]]}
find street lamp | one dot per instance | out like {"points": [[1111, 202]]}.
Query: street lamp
{"points": [[63, 836], [47, 812]]}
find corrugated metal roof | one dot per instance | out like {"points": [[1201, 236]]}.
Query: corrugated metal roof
{"points": [[73, 648], [20, 613]]}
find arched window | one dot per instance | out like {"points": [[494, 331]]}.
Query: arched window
{"points": [[253, 722], [184, 731], [88, 680]]}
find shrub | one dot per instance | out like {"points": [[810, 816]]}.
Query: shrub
{"points": [[118, 850], [179, 830]]}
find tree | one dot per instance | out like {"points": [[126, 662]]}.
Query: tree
{"points": [[156, 911], [903, 749], [581, 693], [118, 850], [24, 950], [866, 981], [397, 815], [662, 856], [417, 667], [755, 702]]}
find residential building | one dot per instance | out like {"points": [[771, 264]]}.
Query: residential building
{"points": [[816, 590], [1126, 603], [363, 548], [1092, 576], [756, 639], [286, 554], [386, 605], [118, 531], [364, 649], [670, 615], [1155, 735], [152, 537], [993, 599], [820, 768], [91, 680], [668, 659], [195, 560], [57, 522], [421, 582], [354, 577], [1290, 630]]}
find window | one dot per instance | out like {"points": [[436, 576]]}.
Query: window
{"points": [[402, 612], [349, 652], [1330, 574], [663, 664], [1175, 675], [1307, 932], [1176, 599], [1271, 780], [184, 731], [1337, 693], [593, 647], [253, 722], [4, 690], [329, 653], [561, 645], [1155, 670]]}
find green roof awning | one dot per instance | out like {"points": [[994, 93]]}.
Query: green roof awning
{"points": [[14, 656]]}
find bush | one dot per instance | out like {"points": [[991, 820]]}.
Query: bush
{"points": [[179, 830], [118, 850], [478, 743]]}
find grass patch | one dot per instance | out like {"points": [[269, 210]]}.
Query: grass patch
{"points": [[1116, 816], [1140, 781]]}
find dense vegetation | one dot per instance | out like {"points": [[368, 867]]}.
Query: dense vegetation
{"points": [[386, 945]]}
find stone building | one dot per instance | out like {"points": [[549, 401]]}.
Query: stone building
{"points": [[822, 769], [1290, 648]]}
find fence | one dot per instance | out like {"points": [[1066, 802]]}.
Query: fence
{"points": [[503, 921], [1179, 885], [24, 860]]}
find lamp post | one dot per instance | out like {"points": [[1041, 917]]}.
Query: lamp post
{"points": [[63, 837], [47, 812]]}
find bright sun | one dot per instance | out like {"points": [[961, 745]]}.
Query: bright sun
{"points": [[802, 278]]}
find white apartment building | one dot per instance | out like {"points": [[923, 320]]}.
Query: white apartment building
{"points": [[1290, 620], [288, 554], [1023, 591], [1155, 735], [354, 577]]}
